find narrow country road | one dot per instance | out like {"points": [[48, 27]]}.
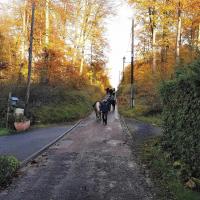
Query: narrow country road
{"points": [[93, 162], [25, 144]]}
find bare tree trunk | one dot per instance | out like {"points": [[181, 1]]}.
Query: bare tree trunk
{"points": [[23, 45], [24, 31], [30, 59], [198, 40], [82, 62], [77, 24], [44, 71], [47, 24], [154, 49], [153, 37], [178, 36], [87, 13]]}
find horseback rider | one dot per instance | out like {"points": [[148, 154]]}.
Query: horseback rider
{"points": [[111, 99], [104, 107]]}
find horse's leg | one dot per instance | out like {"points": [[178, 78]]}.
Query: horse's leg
{"points": [[113, 106], [106, 118], [96, 114], [103, 117], [100, 115]]}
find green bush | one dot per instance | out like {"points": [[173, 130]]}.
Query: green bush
{"points": [[8, 167], [181, 117], [4, 131]]}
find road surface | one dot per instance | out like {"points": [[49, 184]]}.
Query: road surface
{"points": [[93, 162], [24, 145]]}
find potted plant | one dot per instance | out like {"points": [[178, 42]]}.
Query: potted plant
{"points": [[21, 123]]}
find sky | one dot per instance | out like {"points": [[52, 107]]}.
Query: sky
{"points": [[118, 36]]}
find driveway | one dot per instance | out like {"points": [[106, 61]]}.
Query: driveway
{"points": [[25, 144]]}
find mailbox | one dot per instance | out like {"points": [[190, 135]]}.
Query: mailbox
{"points": [[13, 101]]}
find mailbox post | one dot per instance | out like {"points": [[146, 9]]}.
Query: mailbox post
{"points": [[12, 103]]}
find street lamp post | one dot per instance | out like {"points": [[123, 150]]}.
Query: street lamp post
{"points": [[124, 60]]}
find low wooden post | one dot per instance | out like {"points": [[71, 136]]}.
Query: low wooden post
{"points": [[8, 109]]}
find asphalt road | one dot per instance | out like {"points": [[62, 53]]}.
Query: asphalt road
{"points": [[93, 162], [141, 131], [24, 145]]}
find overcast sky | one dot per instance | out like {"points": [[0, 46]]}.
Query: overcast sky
{"points": [[119, 37], [119, 30]]}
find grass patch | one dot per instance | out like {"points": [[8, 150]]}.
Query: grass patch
{"points": [[164, 175], [4, 131], [141, 113], [8, 168], [73, 105], [60, 113]]}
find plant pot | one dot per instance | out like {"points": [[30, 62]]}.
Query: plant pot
{"points": [[22, 126]]}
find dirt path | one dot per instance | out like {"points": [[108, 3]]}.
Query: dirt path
{"points": [[94, 162]]}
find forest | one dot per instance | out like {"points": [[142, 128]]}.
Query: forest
{"points": [[64, 52]]}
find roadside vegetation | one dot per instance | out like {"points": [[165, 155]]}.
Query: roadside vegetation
{"points": [[54, 104], [166, 174], [69, 105], [8, 168], [173, 158], [166, 89], [141, 113]]}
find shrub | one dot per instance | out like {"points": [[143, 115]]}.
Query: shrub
{"points": [[8, 167], [181, 117]]}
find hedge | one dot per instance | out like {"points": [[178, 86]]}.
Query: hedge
{"points": [[181, 117], [8, 167]]}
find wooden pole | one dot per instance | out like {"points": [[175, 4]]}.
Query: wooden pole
{"points": [[8, 109], [124, 60], [132, 67], [30, 59]]}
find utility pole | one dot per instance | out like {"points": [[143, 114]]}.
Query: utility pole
{"points": [[124, 60], [132, 66], [30, 58]]}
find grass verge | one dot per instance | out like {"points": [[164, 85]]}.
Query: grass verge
{"points": [[163, 173], [61, 113], [75, 104], [4, 131], [8, 168], [141, 113]]}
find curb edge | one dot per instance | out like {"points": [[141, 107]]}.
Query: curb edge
{"points": [[36, 154]]}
